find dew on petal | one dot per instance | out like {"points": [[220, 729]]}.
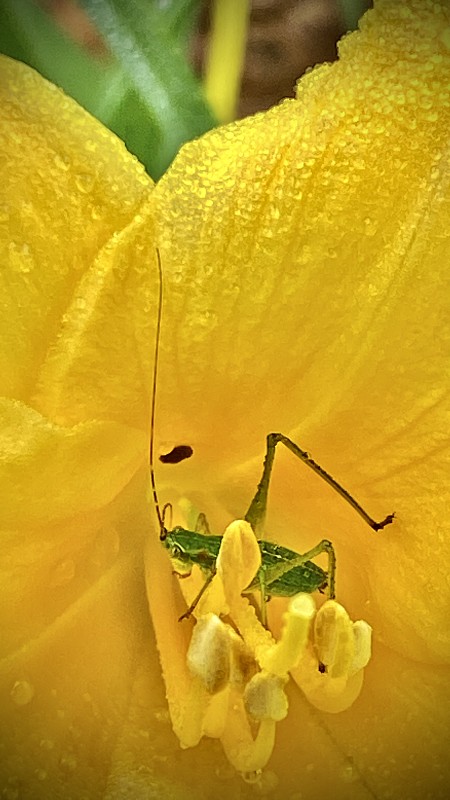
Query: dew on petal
{"points": [[251, 777], [85, 182], [161, 715], [47, 744], [106, 547], [348, 772], [268, 782], [444, 38], [10, 792], [225, 772], [62, 573], [68, 762], [62, 162], [22, 693]]}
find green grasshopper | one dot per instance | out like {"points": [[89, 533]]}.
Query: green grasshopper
{"points": [[283, 572]]}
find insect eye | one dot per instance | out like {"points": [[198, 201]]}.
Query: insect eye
{"points": [[177, 454], [176, 551]]}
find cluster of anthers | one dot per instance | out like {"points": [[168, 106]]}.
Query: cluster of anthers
{"points": [[239, 671]]}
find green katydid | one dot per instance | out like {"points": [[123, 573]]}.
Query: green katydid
{"points": [[283, 572]]}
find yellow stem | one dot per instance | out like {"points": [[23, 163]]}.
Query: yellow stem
{"points": [[225, 56]]}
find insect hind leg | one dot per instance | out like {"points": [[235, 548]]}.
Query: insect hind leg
{"points": [[256, 513], [276, 571]]}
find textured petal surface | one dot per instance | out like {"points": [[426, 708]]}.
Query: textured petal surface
{"points": [[78, 292], [321, 230], [305, 261]]}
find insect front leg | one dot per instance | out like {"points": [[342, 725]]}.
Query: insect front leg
{"points": [[198, 597]]}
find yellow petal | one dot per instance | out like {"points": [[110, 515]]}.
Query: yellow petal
{"points": [[79, 291], [320, 229], [70, 189]]}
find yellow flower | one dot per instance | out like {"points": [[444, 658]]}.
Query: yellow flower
{"points": [[233, 679], [305, 257]]}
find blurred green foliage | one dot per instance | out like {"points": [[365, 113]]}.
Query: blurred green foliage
{"points": [[145, 91]]}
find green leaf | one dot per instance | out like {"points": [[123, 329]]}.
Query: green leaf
{"points": [[167, 107], [352, 11], [30, 35], [147, 95]]}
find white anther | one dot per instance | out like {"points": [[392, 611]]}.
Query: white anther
{"points": [[264, 697], [334, 640], [362, 634], [209, 653]]}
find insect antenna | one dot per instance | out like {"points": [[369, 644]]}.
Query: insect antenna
{"points": [[162, 528]]}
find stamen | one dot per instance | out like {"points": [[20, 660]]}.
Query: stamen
{"points": [[285, 654], [264, 697], [362, 633], [239, 557], [334, 639], [208, 657], [243, 664]]}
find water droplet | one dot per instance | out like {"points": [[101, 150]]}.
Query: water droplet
{"points": [[162, 715], [62, 573], [348, 772], [207, 318], [62, 162], [90, 145], [268, 782], [11, 791], [106, 547], [68, 762], [444, 38], [225, 772], [370, 227], [251, 777], [47, 744], [84, 182], [22, 693], [20, 257]]}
